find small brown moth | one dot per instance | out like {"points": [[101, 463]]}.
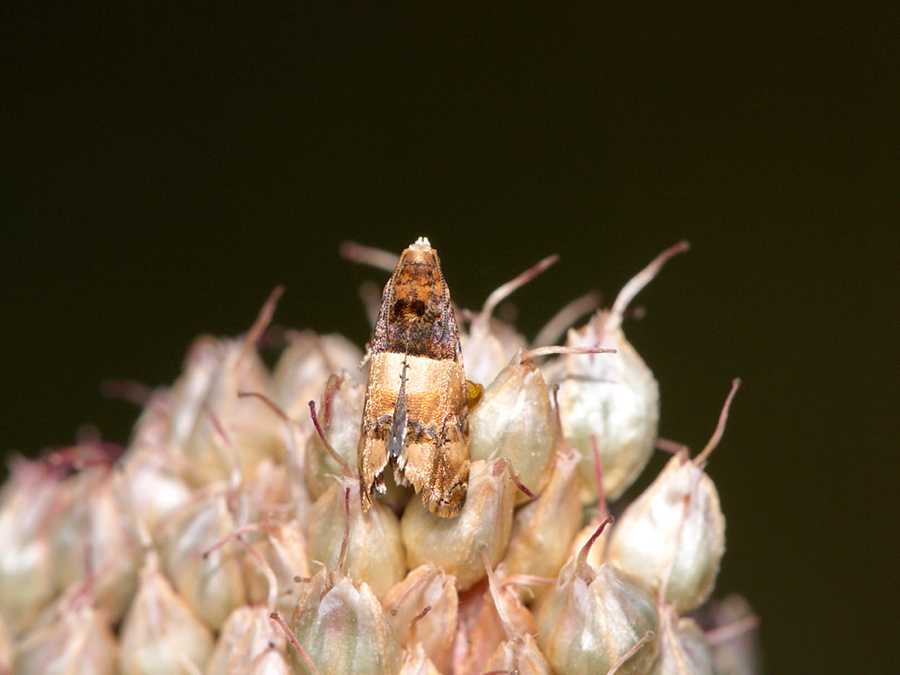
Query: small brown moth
{"points": [[416, 399]]}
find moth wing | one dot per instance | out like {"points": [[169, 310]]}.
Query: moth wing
{"points": [[438, 468]]}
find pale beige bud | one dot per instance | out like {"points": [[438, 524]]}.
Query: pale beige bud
{"points": [[520, 655], [213, 584], [190, 390], [71, 637], [489, 344], [281, 548], [591, 619], [96, 537], [515, 419], [682, 647], [343, 629], [249, 642], [483, 524], [543, 529], [673, 535], [29, 505], [153, 487], [375, 554], [433, 633], [339, 413], [305, 366], [161, 635], [6, 647], [612, 398], [416, 662]]}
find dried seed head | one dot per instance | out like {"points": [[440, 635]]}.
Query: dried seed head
{"points": [[249, 642], [543, 529], [484, 523], [515, 419], [71, 637], [611, 397], [433, 632], [343, 629], [29, 506], [305, 366], [673, 535], [586, 625], [682, 647], [210, 578], [161, 634], [376, 554], [340, 411]]}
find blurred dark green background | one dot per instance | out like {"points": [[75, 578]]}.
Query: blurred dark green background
{"points": [[163, 169]]}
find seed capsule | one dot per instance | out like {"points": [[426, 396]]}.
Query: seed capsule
{"points": [[484, 523], [249, 642], [515, 419], [673, 535], [343, 629], [613, 398], [682, 648]]}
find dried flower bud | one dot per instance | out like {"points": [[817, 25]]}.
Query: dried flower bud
{"points": [[161, 635], [376, 556], [339, 414], [185, 401], [682, 647], [343, 629], [249, 642], [484, 523], [613, 398], [673, 535], [434, 632], [521, 656], [305, 366], [29, 505], [593, 618], [71, 637], [210, 578], [96, 537], [489, 344], [543, 529], [515, 419], [416, 662], [152, 486], [281, 548], [235, 432]]}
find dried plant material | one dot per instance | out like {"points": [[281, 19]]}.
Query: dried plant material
{"points": [[592, 618], [161, 634], [343, 629], [283, 550], [249, 642], [515, 419], [153, 487], [612, 398], [209, 578], [683, 649], [416, 399], [340, 411], [423, 611], [543, 529], [673, 535], [376, 556], [416, 662], [484, 523]]}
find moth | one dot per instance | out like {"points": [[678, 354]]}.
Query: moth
{"points": [[415, 415]]}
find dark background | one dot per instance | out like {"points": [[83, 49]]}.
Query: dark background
{"points": [[164, 169]]}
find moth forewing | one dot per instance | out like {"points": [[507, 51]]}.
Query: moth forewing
{"points": [[415, 414]]}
